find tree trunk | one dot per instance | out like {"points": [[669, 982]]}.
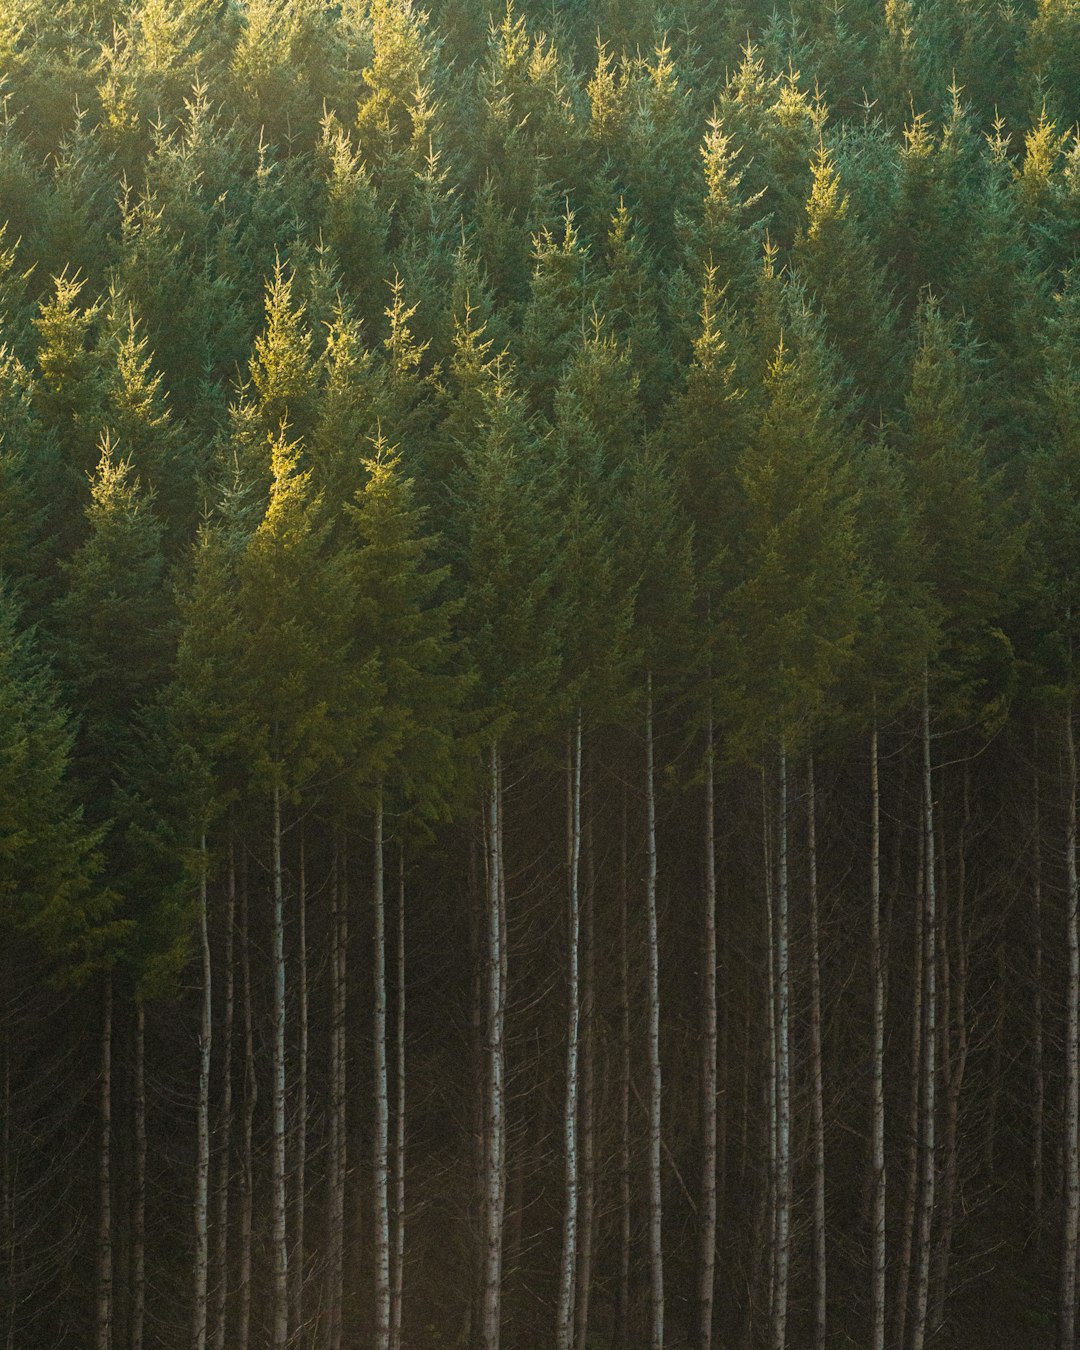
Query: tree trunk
{"points": [[783, 1068], [221, 1287], [138, 1217], [495, 1159], [336, 1163], [911, 1187], [279, 1237], [622, 1303], [817, 1102], [1038, 1066], [1071, 1139], [877, 1118], [381, 1196], [929, 1060], [299, 1264], [251, 1092], [104, 1282], [588, 1093], [656, 1254], [397, 1271], [707, 1221], [202, 1152], [564, 1323]]}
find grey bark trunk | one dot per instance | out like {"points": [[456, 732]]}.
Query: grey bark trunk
{"points": [[622, 1304], [877, 1120], [783, 1070], [588, 1077], [817, 1101], [565, 1322], [707, 1223], [103, 1294], [202, 1152], [299, 1264], [397, 1272], [279, 1236], [928, 1180], [381, 1186], [138, 1217], [251, 1092], [1038, 1065], [1071, 1132], [656, 1254], [221, 1286], [336, 1168], [495, 1156]]}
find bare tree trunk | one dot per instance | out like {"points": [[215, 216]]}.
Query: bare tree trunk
{"points": [[588, 1092], [382, 1107], [707, 1221], [877, 1121], [656, 1253], [783, 1066], [495, 1160], [397, 1272], [104, 1283], [1071, 1133], [202, 1154], [956, 1007], [1038, 1067], [477, 928], [279, 1235], [622, 1304], [221, 1287], [929, 1062], [817, 1103], [299, 1264], [772, 1076], [564, 1323], [336, 1169], [251, 1092], [911, 1185]]}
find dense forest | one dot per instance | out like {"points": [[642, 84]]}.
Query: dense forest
{"points": [[539, 575]]}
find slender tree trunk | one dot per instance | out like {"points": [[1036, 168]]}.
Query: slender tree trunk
{"points": [[202, 1154], [381, 1197], [772, 1076], [221, 1287], [877, 1119], [817, 1103], [138, 1218], [397, 1271], [588, 1078], [564, 1324], [337, 1171], [7, 1210], [956, 1007], [1071, 1139], [622, 1304], [251, 1092], [299, 1264], [929, 1062], [911, 1189], [707, 1222], [478, 907], [656, 1254], [783, 1066], [104, 1283], [1038, 1066], [495, 1160], [279, 1235]]}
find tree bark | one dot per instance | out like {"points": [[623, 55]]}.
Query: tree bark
{"points": [[221, 1286], [202, 1152], [817, 1101], [495, 1158], [299, 1263], [588, 1077], [1038, 1064], [381, 1196], [656, 1254], [928, 1179], [565, 1321], [397, 1271], [911, 1188], [622, 1303], [251, 1092], [877, 1119], [279, 1236], [335, 1206], [1071, 1132], [104, 1280], [783, 1068], [707, 1221]]}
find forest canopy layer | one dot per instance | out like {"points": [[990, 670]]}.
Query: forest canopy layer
{"points": [[539, 578]]}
